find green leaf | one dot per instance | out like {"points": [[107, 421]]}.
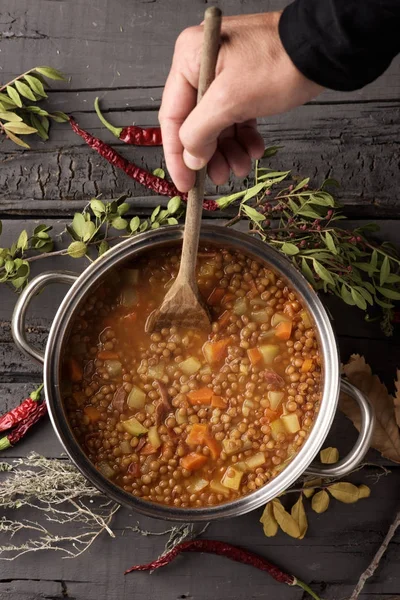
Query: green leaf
{"points": [[97, 207], [330, 181], [289, 249], [10, 116], [385, 271], [22, 242], [323, 273], [42, 133], [42, 227], [17, 140], [271, 151], [383, 304], [364, 267], [143, 226], [373, 263], [25, 90], [59, 117], [154, 214], [119, 223], [7, 102], [90, 228], [253, 191], [359, 300], [252, 213], [36, 85], [155, 225], [174, 205], [388, 293], [103, 247], [159, 173], [123, 208], [307, 271], [77, 249], [392, 278], [9, 266], [365, 294], [300, 185], [321, 199], [79, 224], [50, 73], [309, 212], [15, 97], [330, 243], [20, 128], [172, 221], [134, 224], [226, 201]]}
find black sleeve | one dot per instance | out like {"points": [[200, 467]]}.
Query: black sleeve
{"points": [[341, 44]]}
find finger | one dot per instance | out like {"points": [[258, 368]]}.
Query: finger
{"points": [[178, 100], [218, 169], [236, 156], [248, 137], [215, 112]]}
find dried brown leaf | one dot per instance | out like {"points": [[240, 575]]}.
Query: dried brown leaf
{"points": [[320, 502], [285, 520], [397, 399], [344, 492], [329, 456], [268, 521], [364, 491], [386, 437], [299, 515], [311, 485]]}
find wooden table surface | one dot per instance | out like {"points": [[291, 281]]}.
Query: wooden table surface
{"points": [[120, 50]]}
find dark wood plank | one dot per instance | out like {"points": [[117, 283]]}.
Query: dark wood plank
{"points": [[124, 45], [356, 144]]}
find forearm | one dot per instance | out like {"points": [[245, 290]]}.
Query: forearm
{"points": [[341, 44]]}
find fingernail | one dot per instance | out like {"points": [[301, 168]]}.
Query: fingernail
{"points": [[193, 162]]}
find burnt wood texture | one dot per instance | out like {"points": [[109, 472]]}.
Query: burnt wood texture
{"points": [[120, 50]]}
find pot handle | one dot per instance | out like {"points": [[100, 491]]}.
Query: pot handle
{"points": [[357, 453], [18, 328]]}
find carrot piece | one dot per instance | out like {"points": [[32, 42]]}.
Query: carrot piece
{"points": [[307, 365], [214, 352], [148, 449], [213, 446], [193, 461], [201, 396], [254, 355], [227, 298], [197, 434], [75, 370], [107, 355], [270, 414], [218, 402], [216, 296], [283, 330], [223, 319], [92, 413]]}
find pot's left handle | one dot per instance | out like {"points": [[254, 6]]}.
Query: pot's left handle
{"points": [[18, 327]]}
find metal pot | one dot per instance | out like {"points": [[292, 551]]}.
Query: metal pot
{"points": [[157, 240]]}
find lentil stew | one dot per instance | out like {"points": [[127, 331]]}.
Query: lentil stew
{"points": [[190, 418]]}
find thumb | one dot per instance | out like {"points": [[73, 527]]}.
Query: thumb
{"points": [[199, 132]]}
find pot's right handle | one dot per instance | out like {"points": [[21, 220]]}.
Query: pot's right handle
{"points": [[357, 453], [18, 327]]}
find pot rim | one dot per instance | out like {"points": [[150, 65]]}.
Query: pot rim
{"points": [[220, 237]]}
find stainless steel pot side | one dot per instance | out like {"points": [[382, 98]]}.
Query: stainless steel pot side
{"points": [[155, 241]]}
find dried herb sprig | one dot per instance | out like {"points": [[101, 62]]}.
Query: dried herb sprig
{"points": [[19, 117]]}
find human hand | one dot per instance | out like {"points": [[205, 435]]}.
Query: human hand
{"points": [[254, 78]]}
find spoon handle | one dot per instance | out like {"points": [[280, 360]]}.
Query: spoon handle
{"points": [[211, 40]]}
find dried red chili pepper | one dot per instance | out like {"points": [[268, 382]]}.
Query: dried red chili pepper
{"points": [[137, 136], [38, 411], [21, 412], [229, 551], [152, 182]]}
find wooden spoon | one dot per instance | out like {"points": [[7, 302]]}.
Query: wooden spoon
{"points": [[183, 304]]}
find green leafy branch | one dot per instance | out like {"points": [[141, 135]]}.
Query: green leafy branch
{"points": [[19, 118], [301, 223]]}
